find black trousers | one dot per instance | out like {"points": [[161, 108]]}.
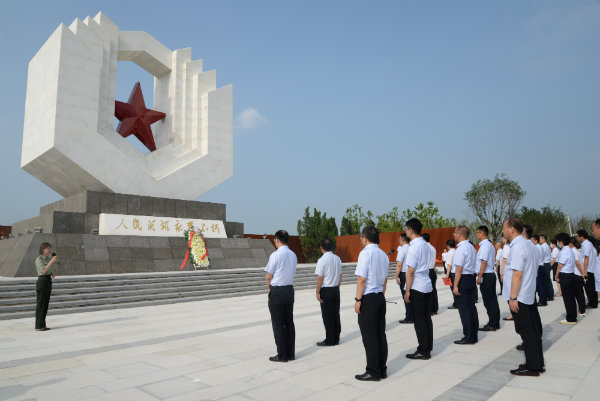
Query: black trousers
{"points": [[567, 286], [452, 275], [500, 280], [43, 288], [548, 280], [330, 311], [527, 327], [423, 324], [580, 293], [540, 285], [554, 269], [371, 321], [281, 306], [407, 307], [590, 290], [467, 287], [490, 299], [434, 295]]}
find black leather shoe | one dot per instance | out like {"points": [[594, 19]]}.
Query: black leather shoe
{"points": [[540, 304], [406, 321], [323, 344], [520, 347], [367, 377], [418, 355], [452, 307], [384, 375], [542, 370], [464, 342], [487, 328], [524, 372], [277, 359]]}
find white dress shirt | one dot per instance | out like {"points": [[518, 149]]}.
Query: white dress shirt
{"points": [[587, 249], [450, 259], [402, 251], [522, 257], [499, 256], [465, 257], [554, 255], [433, 256], [486, 252], [418, 258], [540, 252], [567, 259], [330, 267], [373, 264], [546, 253], [282, 265], [578, 258], [506, 253]]}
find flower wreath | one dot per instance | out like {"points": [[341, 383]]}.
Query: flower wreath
{"points": [[197, 252]]}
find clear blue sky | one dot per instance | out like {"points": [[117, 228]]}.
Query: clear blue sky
{"points": [[340, 102]]}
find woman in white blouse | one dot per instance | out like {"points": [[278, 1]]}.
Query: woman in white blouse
{"points": [[579, 282]]}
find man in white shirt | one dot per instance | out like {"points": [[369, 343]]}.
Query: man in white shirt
{"points": [[498, 246], [519, 290], [486, 279], [451, 246], [465, 285], [329, 279], [432, 275], [419, 288], [588, 253], [554, 254], [401, 276], [280, 282], [596, 231], [547, 257], [540, 281], [566, 277], [372, 271]]}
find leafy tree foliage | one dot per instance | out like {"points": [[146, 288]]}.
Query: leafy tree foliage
{"points": [[313, 229], [355, 219], [547, 220], [429, 215]]}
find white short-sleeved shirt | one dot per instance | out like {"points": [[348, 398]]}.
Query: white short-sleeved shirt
{"points": [[506, 252], [546, 253], [486, 252], [499, 256], [466, 257], [418, 258], [433, 256], [450, 259], [567, 259], [282, 265], [444, 257], [522, 257], [540, 252], [373, 264], [587, 249], [402, 251], [554, 254], [330, 267], [578, 258]]}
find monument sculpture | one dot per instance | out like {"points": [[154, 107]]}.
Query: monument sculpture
{"points": [[125, 211]]}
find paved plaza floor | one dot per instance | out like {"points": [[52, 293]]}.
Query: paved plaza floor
{"points": [[219, 349]]}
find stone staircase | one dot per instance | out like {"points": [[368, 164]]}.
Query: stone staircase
{"points": [[71, 294]]}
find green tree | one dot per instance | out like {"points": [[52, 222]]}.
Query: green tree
{"points": [[390, 221], [313, 229], [547, 220], [355, 219], [493, 201], [583, 222], [429, 215]]}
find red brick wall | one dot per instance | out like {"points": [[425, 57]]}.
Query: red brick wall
{"points": [[5, 231]]}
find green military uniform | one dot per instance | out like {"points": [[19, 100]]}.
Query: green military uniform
{"points": [[43, 288]]}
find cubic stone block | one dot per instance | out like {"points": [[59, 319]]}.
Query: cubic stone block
{"points": [[77, 223], [134, 205], [170, 210], [96, 254], [98, 267], [181, 209], [141, 253], [146, 206], [61, 222], [120, 204], [115, 254]]}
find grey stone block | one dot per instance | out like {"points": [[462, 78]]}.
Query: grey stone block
{"points": [[166, 265], [193, 210], [217, 263], [120, 204], [71, 267], [261, 262], [115, 254], [234, 243], [170, 210], [138, 242], [93, 201], [141, 253], [60, 222], [117, 241], [259, 253], [142, 265], [98, 267], [146, 206], [215, 253], [234, 228], [158, 207], [161, 253], [107, 203], [181, 209], [96, 254], [92, 222], [121, 266], [133, 205], [240, 263], [70, 253], [213, 242], [237, 253], [178, 242], [77, 223], [93, 241], [178, 252], [69, 240], [159, 242]]}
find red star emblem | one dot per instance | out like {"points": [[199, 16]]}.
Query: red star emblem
{"points": [[136, 119]]}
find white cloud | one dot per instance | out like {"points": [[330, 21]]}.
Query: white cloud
{"points": [[249, 118]]}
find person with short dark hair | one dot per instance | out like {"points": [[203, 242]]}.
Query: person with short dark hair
{"points": [[540, 282], [371, 281], [579, 281], [451, 247], [43, 286], [588, 254], [527, 234], [401, 276], [418, 288], [520, 274], [546, 259], [596, 232], [566, 277], [554, 254], [465, 285], [498, 246], [329, 279], [486, 279], [432, 275], [280, 273]]}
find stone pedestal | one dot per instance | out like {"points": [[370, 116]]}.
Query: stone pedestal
{"points": [[68, 225]]}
